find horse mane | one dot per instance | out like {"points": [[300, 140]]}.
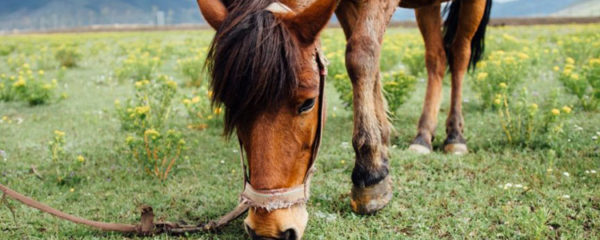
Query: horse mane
{"points": [[251, 61]]}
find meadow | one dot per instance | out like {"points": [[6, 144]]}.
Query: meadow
{"points": [[79, 112]]}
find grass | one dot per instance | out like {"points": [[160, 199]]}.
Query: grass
{"points": [[435, 196]]}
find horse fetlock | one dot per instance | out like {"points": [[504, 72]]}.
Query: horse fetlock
{"points": [[369, 200], [367, 172]]}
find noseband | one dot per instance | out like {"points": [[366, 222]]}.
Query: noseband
{"points": [[273, 199]]}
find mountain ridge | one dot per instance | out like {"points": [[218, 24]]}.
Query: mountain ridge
{"points": [[56, 14]]}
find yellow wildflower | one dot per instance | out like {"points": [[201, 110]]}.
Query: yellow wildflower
{"points": [[555, 112], [196, 99], [556, 68], [503, 85], [142, 110], [498, 101], [575, 76], [59, 133], [80, 158], [19, 83], [218, 111], [481, 64], [186, 101], [523, 56], [129, 139], [482, 76], [152, 133], [72, 190], [570, 60], [171, 84], [566, 109], [534, 107], [41, 72], [117, 102]]}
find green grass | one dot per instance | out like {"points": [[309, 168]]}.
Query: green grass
{"points": [[435, 196]]}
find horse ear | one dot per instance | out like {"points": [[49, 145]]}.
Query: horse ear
{"points": [[308, 23], [213, 11]]}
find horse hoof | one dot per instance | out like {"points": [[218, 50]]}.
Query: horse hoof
{"points": [[370, 199], [456, 148], [418, 148]]}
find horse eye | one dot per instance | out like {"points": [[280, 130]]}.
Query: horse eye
{"points": [[306, 105]]}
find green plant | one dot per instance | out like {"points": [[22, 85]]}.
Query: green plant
{"points": [[65, 169], [192, 68], [146, 118], [56, 146], [583, 83], [525, 124], [138, 66], [67, 56], [6, 49], [414, 60], [501, 72], [200, 113], [397, 87], [344, 88], [28, 86], [580, 47]]}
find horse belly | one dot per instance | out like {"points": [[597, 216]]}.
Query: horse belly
{"points": [[419, 3]]}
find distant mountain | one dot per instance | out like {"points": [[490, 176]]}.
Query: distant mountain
{"points": [[512, 8], [52, 14], [580, 8]]}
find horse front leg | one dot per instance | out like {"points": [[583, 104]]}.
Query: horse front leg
{"points": [[364, 25]]}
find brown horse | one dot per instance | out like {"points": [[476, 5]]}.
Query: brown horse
{"points": [[265, 69]]}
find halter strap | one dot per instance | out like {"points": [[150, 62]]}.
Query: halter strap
{"points": [[273, 199]]}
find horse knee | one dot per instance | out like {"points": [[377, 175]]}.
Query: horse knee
{"points": [[435, 60], [361, 57]]}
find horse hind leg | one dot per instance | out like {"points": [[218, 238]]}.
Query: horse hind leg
{"points": [[364, 25], [429, 22], [469, 19]]}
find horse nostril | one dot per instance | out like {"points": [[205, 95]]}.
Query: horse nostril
{"points": [[290, 234]]}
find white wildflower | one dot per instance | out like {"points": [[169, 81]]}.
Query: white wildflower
{"points": [[566, 174]]}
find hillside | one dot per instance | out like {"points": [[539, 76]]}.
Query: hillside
{"points": [[52, 14], [580, 8], [47, 14], [511, 8]]}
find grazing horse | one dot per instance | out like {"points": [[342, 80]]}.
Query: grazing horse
{"points": [[267, 71]]}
